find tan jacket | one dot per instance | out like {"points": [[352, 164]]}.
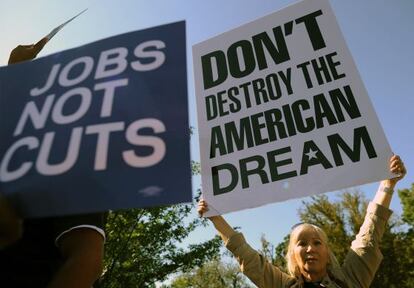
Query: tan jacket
{"points": [[358, 270]]}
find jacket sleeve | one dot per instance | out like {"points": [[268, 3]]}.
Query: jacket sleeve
{"points": [[364, 258], [255, 266]]}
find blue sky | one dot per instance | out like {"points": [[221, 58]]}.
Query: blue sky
{"points": [[379, 34]]}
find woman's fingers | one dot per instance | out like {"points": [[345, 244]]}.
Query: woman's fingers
{"points": [[395, 162], [397, 167], [202, 207]]}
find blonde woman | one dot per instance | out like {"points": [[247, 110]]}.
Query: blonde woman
{"points": [[310, 261]]}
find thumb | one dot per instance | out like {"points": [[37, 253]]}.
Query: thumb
{"points": [[40, 44]]}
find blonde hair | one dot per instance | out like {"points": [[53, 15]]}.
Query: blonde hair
{"points": [[292, 265]]}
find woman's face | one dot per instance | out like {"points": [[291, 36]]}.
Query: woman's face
{"points": [[311, 254]]}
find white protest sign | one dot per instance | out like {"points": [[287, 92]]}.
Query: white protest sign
{"points": [[283, 113]]}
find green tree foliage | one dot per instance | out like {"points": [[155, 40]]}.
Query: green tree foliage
{"points": [[341, 221], [280, 253], [214, 274], [406, 245], [407, 200], [143, 246]]}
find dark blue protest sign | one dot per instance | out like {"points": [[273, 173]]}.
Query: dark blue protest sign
{"points": [[102, 126]]}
